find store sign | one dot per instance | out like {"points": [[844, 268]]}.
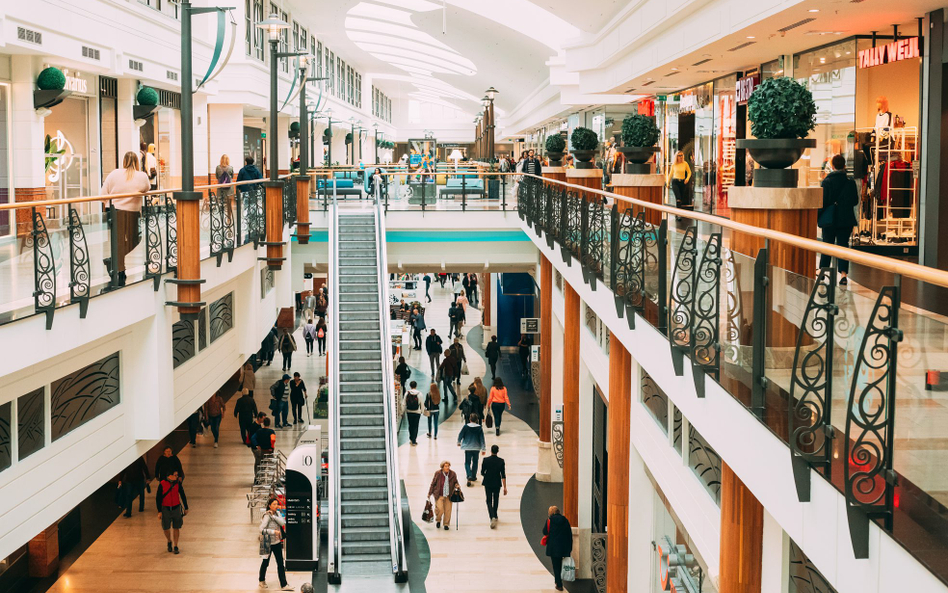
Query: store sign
{"points": [[688, 102], [745, 87], [530, 325], [889, 53], [76, 85]]}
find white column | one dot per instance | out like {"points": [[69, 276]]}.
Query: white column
{"points": [[581, 532], [129, 137], [775, 557], [28, 129], [642, 499], [225, 135], [283, 142]]}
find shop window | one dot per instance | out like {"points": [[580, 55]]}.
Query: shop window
{"points": [[258, 42], [705, 462], [67, 130], [31, 422], [284, 43], [83, 395]]}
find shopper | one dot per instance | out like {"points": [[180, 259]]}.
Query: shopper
{"points": [[433, 407], [402, 372], [559, 542], [454, 317], [494, 472], [471, 440], [287, 346], [532, 165], [523, 349], [474, 297], [417, 321], [196, 425], [225, 175], [466, 283], [128, 211], [172, 507], [462, 304], [678, 177], [271, 543], [245, 411], [248, 172], [268, 346], [443, 485], [309, 335], [442, 278], [448, 373], [298, 397], [321, 330], [278, 400], [264, 439], [837, 217], [214, 412], [433, 347], [460, 358], [133, 481], [413, 411], [498, 402], [247, 378], [427, 280], [493, 355], [150, 165], [471, 404], [309, 307], [167, 463], [255, 426], [481, 392]]}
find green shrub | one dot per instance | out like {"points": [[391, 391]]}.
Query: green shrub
{"points": [[51, 79], [555, 143], [327, 133], [349, 138], [781, 108], [147, 96], [639, 131], [295, 126], [584, 139]]}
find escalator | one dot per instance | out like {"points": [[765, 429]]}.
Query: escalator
{"points": [[366, 527]]}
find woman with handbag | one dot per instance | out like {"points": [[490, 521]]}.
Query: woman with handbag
{"points": [[558, 539], [271, 543], [433, 408], [837, 217], [442, 489], [498, 401]]}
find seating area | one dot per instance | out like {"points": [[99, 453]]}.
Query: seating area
{"points": [[464, 185], [342, 183]]}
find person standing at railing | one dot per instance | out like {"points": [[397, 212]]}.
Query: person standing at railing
{"points": [[128, 211], [837, 217], [150, 166], [532, 165], [224, 174]]}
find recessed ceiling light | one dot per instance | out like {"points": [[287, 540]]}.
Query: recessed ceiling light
{"points": [[751, 37], [814, 10], [674, 69]]}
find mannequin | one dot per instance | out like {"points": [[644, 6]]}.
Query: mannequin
{"points": [[883, 118]]}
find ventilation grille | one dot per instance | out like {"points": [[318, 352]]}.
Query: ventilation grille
{"points": [[136, 65], [29, 36], [742, 46], [171, 75], [88, 52], [796, 24], [169, 99], [704, 61]]}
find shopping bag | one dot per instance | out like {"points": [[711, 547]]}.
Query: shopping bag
{"points": [[428, 515], [464, 370], [568, 572]]}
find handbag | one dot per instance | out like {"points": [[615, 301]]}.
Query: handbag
{"points": [[568, 572], [428, 515], [489, 421], [827, 217], [457, 495], [544, 539]]}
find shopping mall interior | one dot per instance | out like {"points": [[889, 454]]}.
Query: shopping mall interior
{"points": [[668, 278]]}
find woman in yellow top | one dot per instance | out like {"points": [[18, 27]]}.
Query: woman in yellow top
{"points": [[679, 175]]}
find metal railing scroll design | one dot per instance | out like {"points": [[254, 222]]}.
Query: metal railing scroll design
{"points": [[44, 270], [289, 201], [598, 557], [628, 266], [255, 218], [80, 272], [870, 423], [229, 229], [154, 266], [731, 350], [681, 309], [572, 227], [559, 445], [705, 317], [216, 214], [811, 385], [171, 236], [593, 240]]}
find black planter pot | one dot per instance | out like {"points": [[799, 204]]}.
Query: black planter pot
{"points": [[49, 98], [144, 111], [637, 158], [556, 158], [584, 159], [776, 156]]}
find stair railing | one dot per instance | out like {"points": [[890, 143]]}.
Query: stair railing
{"points": [[335, 467]]}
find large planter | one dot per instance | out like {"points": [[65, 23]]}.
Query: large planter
{"points": [[144, 111], [775, 156], [556, 158], [584, 159], [637, 157], [49, 98]]}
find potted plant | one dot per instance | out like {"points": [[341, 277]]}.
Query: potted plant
{"points": [[147, 102], [782, 114], [50, 84], [639, 137], [585, 142], [555, 149], [349, 138], [294, 131]]}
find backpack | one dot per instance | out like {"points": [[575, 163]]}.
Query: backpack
{"points": [[320, 333], [411, 401], [225, 178]]}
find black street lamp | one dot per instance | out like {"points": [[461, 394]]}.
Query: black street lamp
{"points": [[375, 126], [489, 108], [355, 125], [305, 155], [328, 115]]}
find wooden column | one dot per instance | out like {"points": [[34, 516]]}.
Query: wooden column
{"points": [[44, 552], [274, 210], [591, 178], [742, 534], [617, 494], [554, 173], [485, 288], [188, 276], [648, 188], [546, 341], [302, 209], [571, 405]]}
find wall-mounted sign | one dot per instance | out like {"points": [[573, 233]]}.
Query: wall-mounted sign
{"points": [[534, 353], [529, 325], [889, 53], [745, 87]]}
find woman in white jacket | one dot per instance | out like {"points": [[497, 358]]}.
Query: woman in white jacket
{"points": [[271, 543]]}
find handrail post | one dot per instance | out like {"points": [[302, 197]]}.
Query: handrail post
{"points": [[759, 335], [503, 193], [113, 247], [463, 192], [423, 183], [662, 246]]}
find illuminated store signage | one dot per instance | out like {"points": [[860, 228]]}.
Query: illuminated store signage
{"points": [[889, 53], [745, 87]]}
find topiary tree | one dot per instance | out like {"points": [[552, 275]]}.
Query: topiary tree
{"points": [[639, 131], [555, 143], [781, 108], [295, 126], [51, 79], [584, 139], [147, 96], [349, 138]]}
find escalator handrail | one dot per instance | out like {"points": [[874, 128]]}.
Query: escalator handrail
{"points": [[335, 469]]}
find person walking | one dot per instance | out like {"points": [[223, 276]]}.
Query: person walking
{"points": [[255, 426], [128, 212], [427, 280], [309, 307], [287, 346], [247, 378], [443, 485], [268, 346], [559, 542], [278, 400], [471, 404], [134, 480], [245, 411], [498, 402], [442, 278], [523, 349], [460, 358], [493, 355], [471, 440], [494, 476], [481, 392], [402, 372], [248, 172], [837, 216], [172, 507], [321, 330], [309, 335], [262, 441], [271, 543], [466, 283], [453, 319], [433, 407], [214, 412], [167, 463], [447, 373], [196, 425], [417, 321], [473, 296], [298, 397], [433, 347], [225, 174], [413, 411], [678, 178]]}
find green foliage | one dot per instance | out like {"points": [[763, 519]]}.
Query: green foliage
{"points": [[52, 153], [295, 126], [555, 143], [639, 131], [51, 79], [781, 108], [584, 139], [327, 133], [147, 96]]}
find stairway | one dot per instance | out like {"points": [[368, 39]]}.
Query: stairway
{"points": [[363, 494]]}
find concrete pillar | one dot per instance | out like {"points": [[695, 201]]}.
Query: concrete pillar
{"points": [[29, 176], [129, 137]]}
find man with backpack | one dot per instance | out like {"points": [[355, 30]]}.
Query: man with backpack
{"points": [[309, 336], [413, 411], [278, 402]]}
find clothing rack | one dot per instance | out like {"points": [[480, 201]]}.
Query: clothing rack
{"points": [[891, 222]]}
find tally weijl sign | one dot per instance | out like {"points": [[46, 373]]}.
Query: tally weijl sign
{"points": [[889, 53]]}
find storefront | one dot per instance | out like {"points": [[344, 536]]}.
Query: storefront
{"points": [[72, 139], [6, 154], [163, 130]]}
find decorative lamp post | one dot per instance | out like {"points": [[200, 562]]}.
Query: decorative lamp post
{"points": [[302, 180], [375, 126], [490, 94]]}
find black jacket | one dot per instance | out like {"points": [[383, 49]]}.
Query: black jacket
{"points": [[494, 470], [245, 410], [533, 166], [433, 344], [839, 189], [402, 371], [165, 465], [493, 351], [559, 541], [248, 173], [136, 473]]}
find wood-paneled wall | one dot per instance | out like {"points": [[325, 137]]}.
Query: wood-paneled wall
{"points": [[617, 494], [742, 534], [546, 341], [571, 404]]}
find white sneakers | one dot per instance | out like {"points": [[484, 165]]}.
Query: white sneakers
{"points": [[493, 522], [263, 585]]}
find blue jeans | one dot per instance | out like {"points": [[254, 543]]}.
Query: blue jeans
{"points": [[470, 464], [498, 409], [433, 419], [284, 410]]}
